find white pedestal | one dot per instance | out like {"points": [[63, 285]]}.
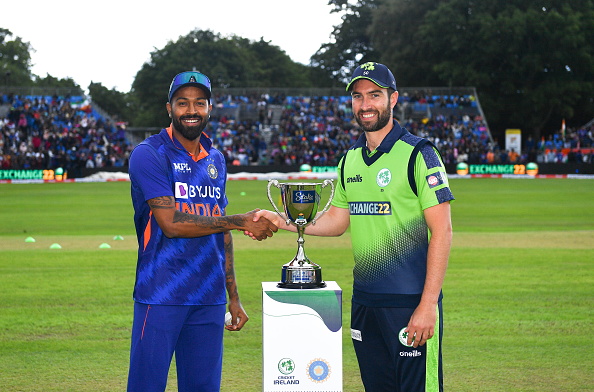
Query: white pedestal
{"points": [[302, 338]]}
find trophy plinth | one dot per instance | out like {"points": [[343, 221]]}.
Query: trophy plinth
{"points": [[300, 202]]}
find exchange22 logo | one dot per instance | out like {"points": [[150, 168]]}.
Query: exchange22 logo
{"points": [[370, 208]]}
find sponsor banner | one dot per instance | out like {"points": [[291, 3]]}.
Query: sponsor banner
{"points": [[513, 140], [291, 176], [29, 175]]}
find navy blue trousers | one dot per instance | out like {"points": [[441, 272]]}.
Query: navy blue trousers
{"points": [[388, 365], [193, 333]]}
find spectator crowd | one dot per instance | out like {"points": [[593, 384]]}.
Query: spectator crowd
{"points": [[58, 132], [48, 132]]}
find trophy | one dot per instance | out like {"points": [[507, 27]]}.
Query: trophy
{"points": [[300, 202]]}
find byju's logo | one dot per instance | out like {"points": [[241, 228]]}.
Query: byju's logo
{"points": [[304, 196], [181, 190]]}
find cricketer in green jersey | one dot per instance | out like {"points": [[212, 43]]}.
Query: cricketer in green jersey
{"points": [[394, 193]]}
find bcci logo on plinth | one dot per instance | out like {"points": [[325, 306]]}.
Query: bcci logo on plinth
{"points": [[318, 370], [286, 366]]}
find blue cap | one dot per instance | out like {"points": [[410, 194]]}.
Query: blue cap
{"points": [[376, 72], [190, 78]]}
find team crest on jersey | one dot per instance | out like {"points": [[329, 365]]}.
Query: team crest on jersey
{"points": [[212, 171], [383, 177]]}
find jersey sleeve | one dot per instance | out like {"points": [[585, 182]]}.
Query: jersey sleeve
{"points": [[340, 199], [148, 172], [431, 178]]}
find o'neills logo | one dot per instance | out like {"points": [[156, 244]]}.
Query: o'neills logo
{"points": [[413, 353], [357, 178]]}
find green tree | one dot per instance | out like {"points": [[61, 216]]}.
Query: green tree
{"points": [[15, 60], [530, 60], [112, 101], [50, 81], [395, 35], [351, 44], [228, 61]]}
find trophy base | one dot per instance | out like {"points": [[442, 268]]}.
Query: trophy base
{"points": [[288, 285], [302, 277]]}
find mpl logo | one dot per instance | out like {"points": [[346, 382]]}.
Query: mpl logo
{"points": [[304, 196], [183, 167]]}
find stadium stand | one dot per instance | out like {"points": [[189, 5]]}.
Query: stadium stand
{"points": [[270, 129], [47, 132], [317, 130]]}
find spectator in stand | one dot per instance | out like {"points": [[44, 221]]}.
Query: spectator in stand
{"points": [[513, 156]]}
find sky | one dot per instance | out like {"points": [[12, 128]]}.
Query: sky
{"points": [[108, 41]]}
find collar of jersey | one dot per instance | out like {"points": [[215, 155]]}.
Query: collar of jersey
{"points": [[205, 144], [385, 146]]}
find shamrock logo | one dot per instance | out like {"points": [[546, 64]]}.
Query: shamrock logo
{"points": [[369, 66]]}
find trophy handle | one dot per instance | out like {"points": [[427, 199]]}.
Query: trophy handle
{"points": [[275, 183], [324, 185]]}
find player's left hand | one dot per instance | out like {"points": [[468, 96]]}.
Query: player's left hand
{"points": [[421, 326], [238, 316]]}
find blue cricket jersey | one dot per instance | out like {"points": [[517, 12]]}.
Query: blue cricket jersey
{"points": [[178, 271]]}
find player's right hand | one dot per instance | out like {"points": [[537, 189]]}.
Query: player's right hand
{"points": [[259, 228], [271, 216]]}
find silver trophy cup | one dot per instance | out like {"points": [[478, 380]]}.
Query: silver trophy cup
{"points": [[300, 204]]}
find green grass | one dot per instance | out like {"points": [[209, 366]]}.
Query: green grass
{"points": [[519, 303]]}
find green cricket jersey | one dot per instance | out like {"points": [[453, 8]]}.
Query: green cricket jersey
{"points": [[389, 234]]}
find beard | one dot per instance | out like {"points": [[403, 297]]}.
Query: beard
{"points": [[191, 132], [383, 119]]}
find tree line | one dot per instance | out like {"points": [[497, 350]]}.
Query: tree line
{"points": [[531, 61]]}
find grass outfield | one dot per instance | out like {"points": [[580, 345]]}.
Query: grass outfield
{"points": [[519, 303]]}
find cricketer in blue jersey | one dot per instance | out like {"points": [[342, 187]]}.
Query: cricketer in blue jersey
{"points": [[185, 267]]}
